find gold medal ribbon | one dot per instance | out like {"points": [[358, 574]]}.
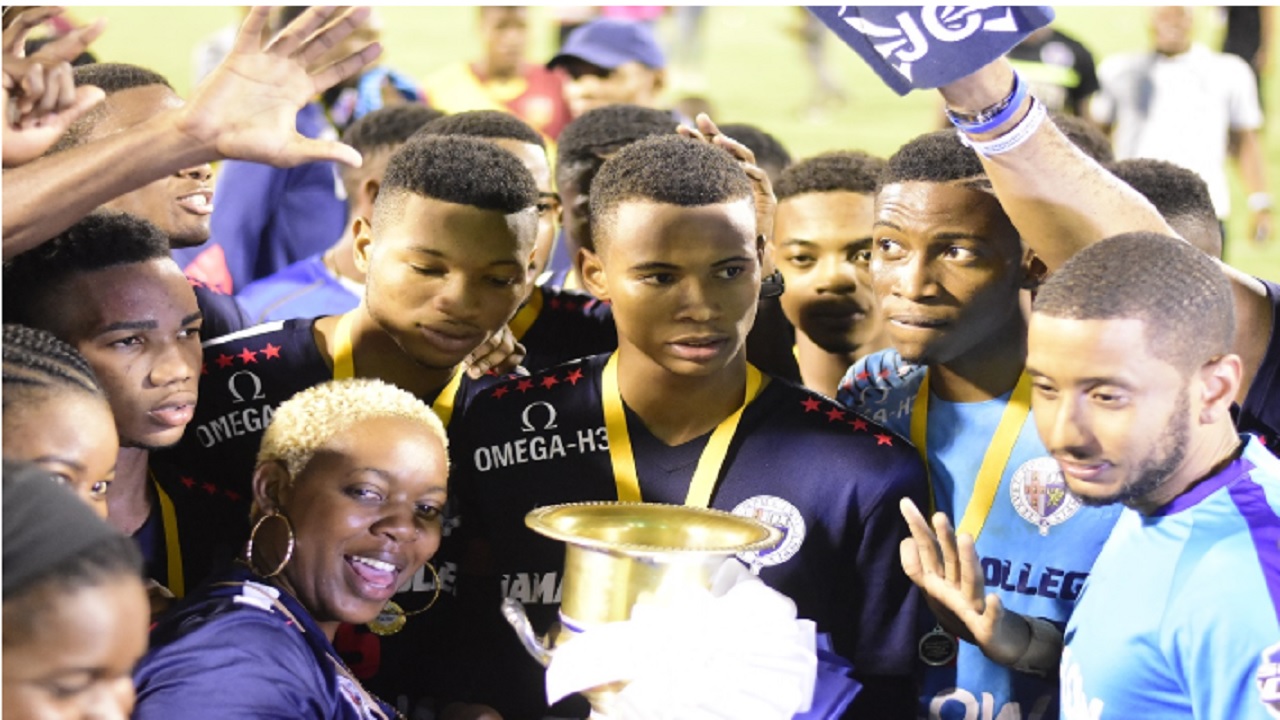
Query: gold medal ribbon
{"points": [[993, 462], [344, 367], [623, 459], [172, 545], [527, 313]]}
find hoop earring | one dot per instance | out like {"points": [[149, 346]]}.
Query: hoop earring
{"points": [[288, 553], [392, 619]]}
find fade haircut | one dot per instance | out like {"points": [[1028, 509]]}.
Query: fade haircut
{"points": [[584, 143], [304, 423], [112, 78], [936, 157], [1180, 195], [488, 124], [101, 240], [1085, 135], [383, 130], [1178, 292], [840, 171], [38, 366], [460, 170], [771, 154], [667, 169]]}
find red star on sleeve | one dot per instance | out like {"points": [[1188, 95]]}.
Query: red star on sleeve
{"points": [[204, 368], [248, 356], [271, 352], [549, 381], [882, 439], [573, 377], [225, 360], [811, 404], [209, 487], [501, 390], [188, 481], [834, 414], [524, 385], [863, 375], [232, 495], [859, 424]]}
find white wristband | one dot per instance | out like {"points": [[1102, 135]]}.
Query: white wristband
{"points": [[1259, 201], [1044, 651], [1025, 128]]}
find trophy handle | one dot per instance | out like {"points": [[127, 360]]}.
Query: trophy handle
{"points": [[513, 611]]}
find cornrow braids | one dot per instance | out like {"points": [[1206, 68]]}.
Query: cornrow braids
{"points": [[36, 361]]}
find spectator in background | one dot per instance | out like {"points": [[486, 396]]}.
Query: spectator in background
{"points": [[209, 51], [611, 62], [1249, 34], [771, 155], [501, 79], [1059, 69], [1184, 103]]}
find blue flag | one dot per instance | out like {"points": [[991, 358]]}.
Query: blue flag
{"points": [[927, 47]]}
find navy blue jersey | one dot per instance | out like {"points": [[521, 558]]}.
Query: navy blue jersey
{"points": [[222, 314], [558, 325], [246, 375], [1260, 413], [245, 650], [830, 481]]}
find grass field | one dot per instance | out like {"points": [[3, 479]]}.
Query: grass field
{"points": [[754, 65]]}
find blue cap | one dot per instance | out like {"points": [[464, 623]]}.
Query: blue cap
{"points": [[610, 43]]}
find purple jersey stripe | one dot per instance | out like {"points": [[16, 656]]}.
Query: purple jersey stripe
{"points": [[1206, 487], [1264, 528]]}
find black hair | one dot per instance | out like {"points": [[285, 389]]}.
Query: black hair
{"points": [[388, 127], [1084, 135], [459, 170], [591, 137], [667, 169], [1179, 293], [771, 155], [838, 171], [37, 364], [98, 241], [1180, 195], [111, 78], [32, 45], [936, 157], [488, 124]]}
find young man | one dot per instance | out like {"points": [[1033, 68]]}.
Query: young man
{"points": [[180, 204], [108, 287], [501, 79], [329, 283], [948, 269], [1179, 195], [822, 246], [677, 255], [445, 256], [611, 62]]}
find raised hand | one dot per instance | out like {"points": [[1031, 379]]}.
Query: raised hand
{"points": [[247, 107]]}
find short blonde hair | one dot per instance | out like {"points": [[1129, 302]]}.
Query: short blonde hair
{"points": [[305, 422]]}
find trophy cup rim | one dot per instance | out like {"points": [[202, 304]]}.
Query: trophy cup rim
{"points": [[550, 521]]}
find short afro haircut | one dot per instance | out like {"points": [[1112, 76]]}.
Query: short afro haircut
{"points": [[112, 78], [388, 127], [771, 155], [460, 170], [672, 170], [487, 124], [304, 423], [1180, 195], [99, 241], [1179, 293], [1085, 135], [936, 157], [840, 171], [584, 143]]}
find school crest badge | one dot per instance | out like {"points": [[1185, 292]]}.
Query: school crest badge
{"points": [[781, 514], [1040, 495]]}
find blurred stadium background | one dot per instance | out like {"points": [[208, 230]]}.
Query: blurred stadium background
{"points": [[754, 65]]}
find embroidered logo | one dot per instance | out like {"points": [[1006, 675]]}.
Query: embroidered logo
{"points": [[781, 514], [1269, 680], [356, 698], [907, 41], [1040, 495]]}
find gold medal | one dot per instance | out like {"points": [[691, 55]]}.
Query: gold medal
{"points": [[937, 647], [390, 621]]}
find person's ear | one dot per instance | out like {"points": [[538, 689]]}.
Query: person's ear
{"points": [[270, 484], [767, 254], [1219, 382], [362, 248], [368, 194], [591, 270], [659, 83], [1034, 271]]}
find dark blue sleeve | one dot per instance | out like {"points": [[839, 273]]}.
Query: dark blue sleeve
{"points": [[223, 315], [243, 664]]}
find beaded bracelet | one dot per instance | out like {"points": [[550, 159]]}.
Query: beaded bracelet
{"points": [[990, 118], [1025, 128]]}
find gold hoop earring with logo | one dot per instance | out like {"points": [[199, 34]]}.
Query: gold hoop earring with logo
{"points": [[392, 618]]}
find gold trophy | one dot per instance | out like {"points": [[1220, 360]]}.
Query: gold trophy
{"points": [[619, 554]]}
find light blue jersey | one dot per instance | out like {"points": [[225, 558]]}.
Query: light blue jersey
{"points": [[1036, 547], [1180, 617]]}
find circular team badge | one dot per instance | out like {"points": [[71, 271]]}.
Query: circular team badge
{"points": [[1040, 495], [781, 514], [391, 619], [937, 647]]}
